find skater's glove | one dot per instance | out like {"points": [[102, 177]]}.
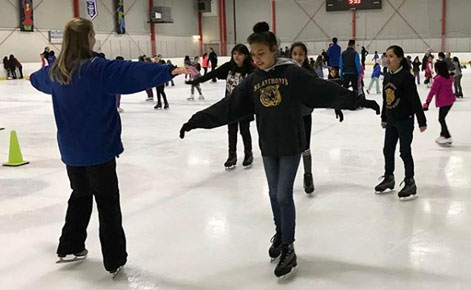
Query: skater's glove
{"points": [[370, 104], [425, 106], [339, 115], [185, 128]]}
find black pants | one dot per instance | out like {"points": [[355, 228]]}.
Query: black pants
{"points": [[161, 93], [402, 131], [350, 80], [307, 129], [458, 89], [442, 112], [244, 126], [213, 67], [99, 181], [13, 73], [205, 70], [21, 71]]}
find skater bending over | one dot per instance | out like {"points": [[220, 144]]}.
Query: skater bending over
{"points": [[274, 92], [83, 89]]}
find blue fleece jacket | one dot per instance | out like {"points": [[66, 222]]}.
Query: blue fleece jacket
{"points": [[334, 55], [88, 124], [376, 71]]}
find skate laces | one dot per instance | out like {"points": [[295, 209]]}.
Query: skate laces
{"points": [[284, 254]]}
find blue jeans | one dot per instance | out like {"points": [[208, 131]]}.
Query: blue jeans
{"points": [[281, 172]]}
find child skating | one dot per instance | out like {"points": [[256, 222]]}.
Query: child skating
{"points": [[401, 103], [274, 92]]}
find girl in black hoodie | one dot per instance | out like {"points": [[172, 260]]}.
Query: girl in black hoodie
{"points": [[401, 103], [274, 92], [234, 71]]}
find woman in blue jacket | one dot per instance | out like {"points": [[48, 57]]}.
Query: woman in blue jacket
{"points": [[83, 89]]}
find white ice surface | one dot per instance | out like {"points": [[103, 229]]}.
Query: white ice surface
{"points": [[192, 225]]}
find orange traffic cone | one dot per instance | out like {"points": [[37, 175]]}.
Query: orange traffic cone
{"points": [[15, 158]]}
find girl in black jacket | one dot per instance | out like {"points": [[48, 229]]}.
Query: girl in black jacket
{"points": [[234, 71], [400, 103], [274, 92]]}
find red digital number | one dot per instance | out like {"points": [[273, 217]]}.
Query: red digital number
{"points": [[354, 2]]}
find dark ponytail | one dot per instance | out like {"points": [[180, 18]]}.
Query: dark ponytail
{"points": [[399, 52], [262, 34]]}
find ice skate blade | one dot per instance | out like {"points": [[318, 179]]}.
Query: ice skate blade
{"points": [[288, 275], [248, 166], [444, 144], [230, 167], [71, 260], [387, 191], [116, 273], [410, 197]]}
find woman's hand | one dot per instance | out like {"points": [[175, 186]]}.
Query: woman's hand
{"points": [[423, 128], [383, 125], [179, 71]]}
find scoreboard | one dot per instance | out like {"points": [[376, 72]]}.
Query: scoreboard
{"points": [[345, 5]]}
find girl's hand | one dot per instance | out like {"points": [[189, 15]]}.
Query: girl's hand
{"points": [[383, 125], [423, 128], [179, 71]]}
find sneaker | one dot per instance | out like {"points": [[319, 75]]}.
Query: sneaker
{"points": [[439, 139], [445, 141]]}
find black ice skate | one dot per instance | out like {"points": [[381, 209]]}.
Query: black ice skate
{"points": [[275, 247], [409, 191], [116, 272], [166, 106], [387, 183], [308, 183], [80, 256], [231, 161], [287, 261], [248, 159], [158, 106]]}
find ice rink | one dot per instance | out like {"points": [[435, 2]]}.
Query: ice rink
{"points": [[191, 224]]}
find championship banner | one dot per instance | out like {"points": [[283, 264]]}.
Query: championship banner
{"points": [[26, 15], [119, 16], [92, 10]]}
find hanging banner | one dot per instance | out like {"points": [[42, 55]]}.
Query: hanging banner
{"points": [[119, 16], [26, 15], [92, 10]]}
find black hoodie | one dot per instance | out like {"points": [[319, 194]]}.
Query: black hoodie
{"points": [[275, 96], [400, 98]]}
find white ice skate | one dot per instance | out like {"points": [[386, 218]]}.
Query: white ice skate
{"points": [[201, 98], [445, 141], [191, 98], [80, 256]]}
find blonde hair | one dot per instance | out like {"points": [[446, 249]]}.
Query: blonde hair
{"points": [[75, 49]]}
